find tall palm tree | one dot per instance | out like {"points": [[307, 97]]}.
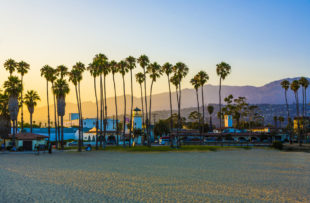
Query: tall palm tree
{"points": [[286, 85], [61, 89], [167, 68], [62, 71], [10, 65], [180, 71], [31, 99], [46, 72], [101, 61], [123, 69], [53, 73], [13, 88], [140, 81], [210, 109], [155, 71], [295, 87], [143, 61], [203, 77], [131, 63], [304, 83], [175, 81], [223, 70], [275, 120], [114, 69], [95, 73], [22, 69], [196, 84], [75, 76], [106, 70]]}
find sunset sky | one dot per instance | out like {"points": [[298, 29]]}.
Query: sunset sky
{"points": [[263, 40]]}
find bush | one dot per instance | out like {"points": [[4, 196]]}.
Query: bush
{"points": [[9, 148], [20, 149], [277, 145]]}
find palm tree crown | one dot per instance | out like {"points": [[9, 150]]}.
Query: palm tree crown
{"points": [[31, 99], [62, 71], [61, 88], [22, 67], [13, 86], [285, 84], [10, 65], [223, 70], [140, 78]]}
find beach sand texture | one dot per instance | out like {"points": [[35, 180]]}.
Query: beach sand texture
{"points": [[227, 176]]}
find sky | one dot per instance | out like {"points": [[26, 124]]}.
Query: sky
{"points": [[262, 40]]}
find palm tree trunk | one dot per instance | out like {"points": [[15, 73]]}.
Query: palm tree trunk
{"points": [[78, 105], [203, 114], [150, 116], [22, 105], [55, 119], [30, 122], [171, 122], [177, 94], [130, 130], [124, 113], [220, 104], [115, 98], [62, 132], [298, 123], [14, 134], [211, 122], [48, 113], [105, 110], [179, 115], [97, 111], [146, 112], [143, 124], [101, 111], [81, 114], [198, 111]]}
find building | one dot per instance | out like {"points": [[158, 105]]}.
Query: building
{"points": [[303, 121], [74, 116], [228, 121], [137, 119], [26, 141], [91, 123]]}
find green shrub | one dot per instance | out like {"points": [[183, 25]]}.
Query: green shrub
{"points": [[20, 149], [277, 145]]}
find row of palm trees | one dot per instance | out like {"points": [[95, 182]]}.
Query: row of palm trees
{"points": [[295, 85], [101, 67], [14, 89]]}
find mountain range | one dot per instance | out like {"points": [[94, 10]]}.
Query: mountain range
{"points": [[271, 93]]}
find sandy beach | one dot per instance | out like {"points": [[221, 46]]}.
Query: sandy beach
{"points": [[238, 175]]}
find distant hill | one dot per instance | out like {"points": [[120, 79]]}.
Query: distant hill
{"points": [[271, 93]]}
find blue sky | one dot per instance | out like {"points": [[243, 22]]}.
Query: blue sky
{"points": [[263, 40]]}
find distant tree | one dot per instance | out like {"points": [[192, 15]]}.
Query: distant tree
{"points": [[161, 128], [304, 83], [210, 109], [281, 120]]}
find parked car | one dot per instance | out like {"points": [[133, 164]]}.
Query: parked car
{"points": [[164, 140]]}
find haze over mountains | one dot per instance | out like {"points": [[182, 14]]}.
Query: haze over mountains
{"points": [[271, 93]]}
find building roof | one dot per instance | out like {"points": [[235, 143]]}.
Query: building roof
{"points": [[28, 136]]}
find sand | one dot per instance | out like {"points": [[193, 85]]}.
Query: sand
{"points": [[226, 176]]}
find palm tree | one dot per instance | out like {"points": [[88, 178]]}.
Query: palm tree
{"points": [[95, 73], [223, 70], [31, 99], [304, 83], [281, 120], [203, 77], [275, 120], [114, 69], [167, 68], [75, 76], [295, 87], [154, 70], [46, 72], [123, 69], [62, 70], [286, 85], [101, 61], [180, 71], [131, 63], [140, 80], [22, 69], [10, 65], [175, 81], [143, 61], [13, 88], [210, 109], [61, 89], [195, 82]]}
